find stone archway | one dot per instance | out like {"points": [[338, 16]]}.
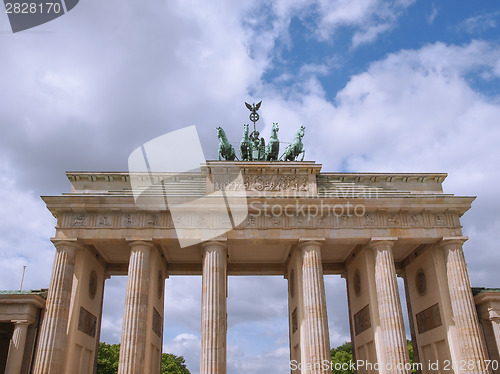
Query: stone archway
{"points": [[301, 224]]}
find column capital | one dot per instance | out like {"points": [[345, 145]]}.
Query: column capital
{"points": [[222, 243], [134, 242], [66, 243], [318, 242], [452, 241], [21, 322], [377, 242]]}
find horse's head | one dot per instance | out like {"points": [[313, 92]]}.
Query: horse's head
{"points": [[219, 131], [245, 129], [300, 132], [275, 127]]}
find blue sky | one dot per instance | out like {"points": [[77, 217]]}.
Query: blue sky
{"points": [[381, 86]]}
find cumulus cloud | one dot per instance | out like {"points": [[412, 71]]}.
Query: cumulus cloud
{"points": [[418, 111], [369, 18], [366, 19], [187, 346]]}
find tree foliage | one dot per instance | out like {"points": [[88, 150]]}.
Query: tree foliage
{"points": [[342, 355], [173, 364], [108, 356], [412, 356]]}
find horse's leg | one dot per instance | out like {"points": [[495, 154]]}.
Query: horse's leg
{"points": [[303, 154], [285, 154], [220, 154]]}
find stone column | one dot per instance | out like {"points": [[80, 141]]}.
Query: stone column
{"points": [[16, 348], [52, 342], [133, 340], [394, 348], [315, 338], [495, 323], [213, 309], [462, 304]]}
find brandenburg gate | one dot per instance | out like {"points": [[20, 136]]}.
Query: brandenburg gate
{"points": [[286, 218]]}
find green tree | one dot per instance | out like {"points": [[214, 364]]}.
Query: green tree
{"points": [[412, 356], [342, 355], [108, 356], [172, 364]]}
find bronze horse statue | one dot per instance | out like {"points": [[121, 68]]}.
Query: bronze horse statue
{"points": [[273, 147], [293, 150], [226, 150]]}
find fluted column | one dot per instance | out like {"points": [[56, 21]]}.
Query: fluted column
{"points": [[213, 309], [462, 304], [133, 340], [52, 342], [394, 348], [495, 323], [315, 334], [16, 348]]}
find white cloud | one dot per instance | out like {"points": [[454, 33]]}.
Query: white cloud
{"points": [[187, 346], [370, 18], [338, 338], [480, 23], [275, 361], [434, 13]]}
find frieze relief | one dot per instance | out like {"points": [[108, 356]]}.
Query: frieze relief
{"points": [[263, 183], [260, 220], [80, 219], [129, 220], [104, 220]]}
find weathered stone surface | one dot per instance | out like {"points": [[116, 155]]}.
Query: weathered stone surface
{"points": [[316, 341], [133, 340], [52, 343], [16, 348], [213, 309], [307, 231], [394, 349], [462, 303], [362, 321]]}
